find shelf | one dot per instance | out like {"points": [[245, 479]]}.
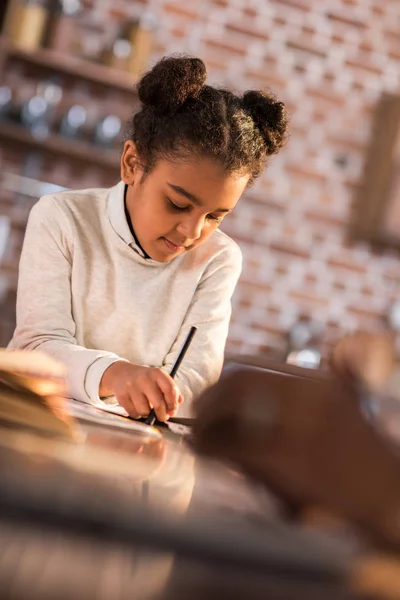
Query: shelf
{"points": [[70, 65], [74, 149]]}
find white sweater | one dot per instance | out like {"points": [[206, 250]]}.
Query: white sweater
{"points": [[88, 297]]}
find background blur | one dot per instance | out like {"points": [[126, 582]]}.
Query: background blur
{"points": [[67, 71]]}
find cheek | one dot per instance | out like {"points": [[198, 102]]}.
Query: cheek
{"points": [[158, 220], [205, 234]]}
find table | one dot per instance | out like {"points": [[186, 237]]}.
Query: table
{"points": [[123, 516]]}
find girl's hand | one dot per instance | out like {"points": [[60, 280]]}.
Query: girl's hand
{"points": [[139, 389]]}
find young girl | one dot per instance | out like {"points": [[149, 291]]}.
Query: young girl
{"points": [[111, 280]]}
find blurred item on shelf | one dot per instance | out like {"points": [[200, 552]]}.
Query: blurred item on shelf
{"points": [[38, 112], [118, 53], [28, 24], [34, 116], [304, 343], [108, 131], [62, 35], [73, 122], [118, 56], [22, 90], [91, 38], [142, 43], [68, 28], [80, 114], [45, 109]]}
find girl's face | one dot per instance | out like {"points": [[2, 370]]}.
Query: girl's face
{"points": [[178, 205]]}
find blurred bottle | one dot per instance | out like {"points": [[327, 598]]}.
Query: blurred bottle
{"points": [[74, 121], [142, 35], [90, 36], [22, 87], [80, 115], [34, 116], [51, 90], [28, 24], [108, 131], [118, 54], [61, 33], [38, 112]]}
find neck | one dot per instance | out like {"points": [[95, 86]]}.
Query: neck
{"points": [[129, 220]]}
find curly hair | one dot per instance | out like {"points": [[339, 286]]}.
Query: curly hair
{"points": [[180, 116]]}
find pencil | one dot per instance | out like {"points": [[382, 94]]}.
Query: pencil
{"points": [[152, 416]]}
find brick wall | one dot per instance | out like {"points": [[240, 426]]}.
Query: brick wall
{"points": [[329, 60]]}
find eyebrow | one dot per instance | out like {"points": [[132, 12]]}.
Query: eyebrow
{"points": [[182, 192]]}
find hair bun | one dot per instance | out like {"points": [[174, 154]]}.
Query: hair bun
{"points": [[270, 117], [171, 82]]}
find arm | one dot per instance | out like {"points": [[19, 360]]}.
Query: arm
{"points": [[210, 312], [44, 315]]}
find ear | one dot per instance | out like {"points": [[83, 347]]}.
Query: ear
{"points": [[129, 163]]}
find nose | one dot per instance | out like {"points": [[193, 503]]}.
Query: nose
{"points": [[191, 227]]}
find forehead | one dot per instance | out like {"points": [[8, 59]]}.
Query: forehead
{"points": [[203, 178]]}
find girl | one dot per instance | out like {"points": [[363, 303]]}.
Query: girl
{"points": [[111, 280]]}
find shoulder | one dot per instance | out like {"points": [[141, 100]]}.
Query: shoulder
{"points": [[218, 258], [71, 202], [225, 245], [221, 251]]}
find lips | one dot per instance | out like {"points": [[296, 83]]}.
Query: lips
{"points": [[172, 246]]}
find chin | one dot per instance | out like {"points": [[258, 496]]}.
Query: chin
{"points": [[165, 259]]}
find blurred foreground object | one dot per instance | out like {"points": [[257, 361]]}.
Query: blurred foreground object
{"points": [[31, 386], [120, 518], [305, 437], [368, 357]]}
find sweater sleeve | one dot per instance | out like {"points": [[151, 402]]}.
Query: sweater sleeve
{"points": [[44, 308], [210, 312]]}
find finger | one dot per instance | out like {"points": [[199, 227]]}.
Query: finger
{"points": [[141, 403], [156, 399], [172, 413], [169, 389], [135, 405], [125, 401]]}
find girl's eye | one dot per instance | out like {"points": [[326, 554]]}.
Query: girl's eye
{"points": [[176, 206], [212, 218]]}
